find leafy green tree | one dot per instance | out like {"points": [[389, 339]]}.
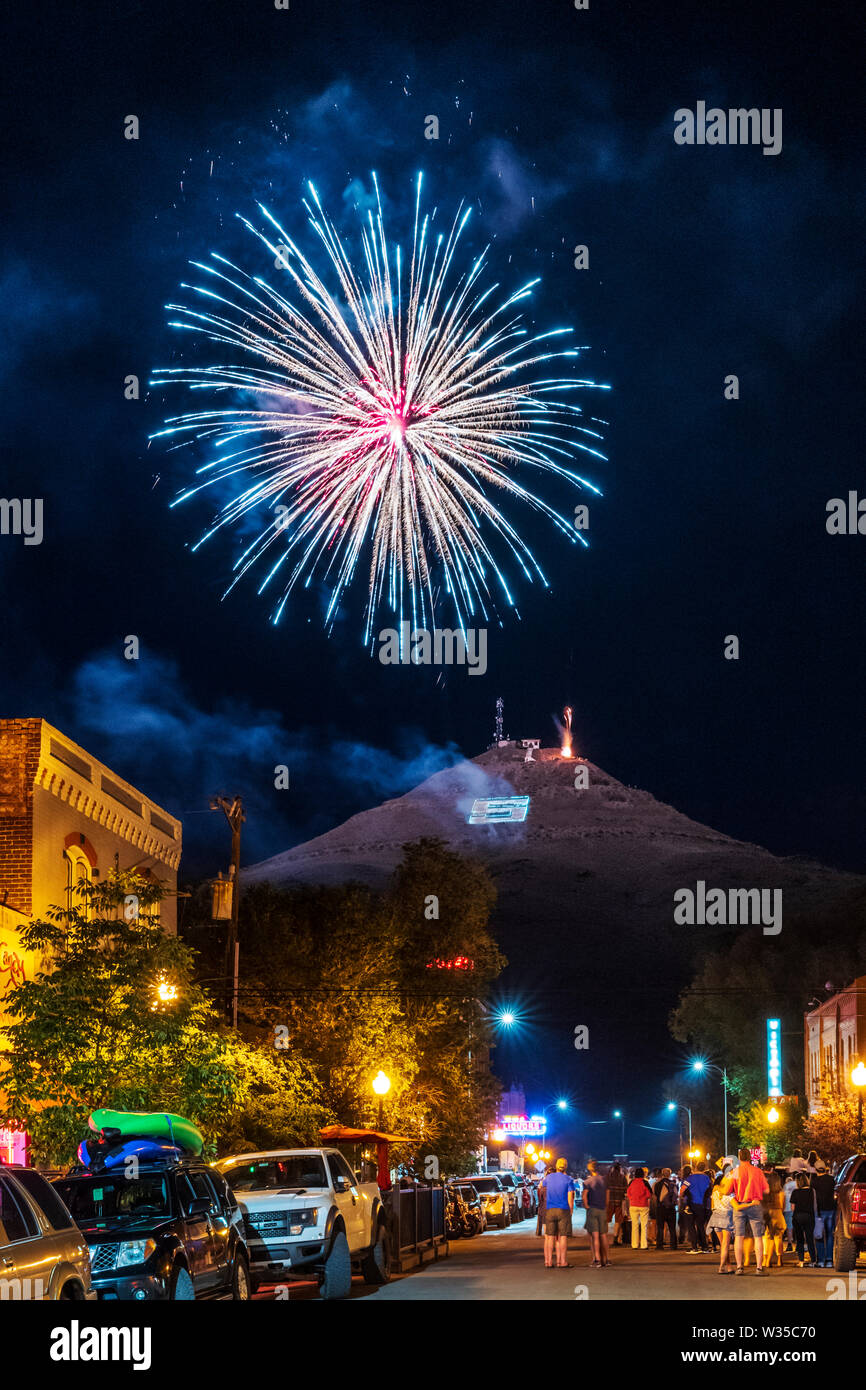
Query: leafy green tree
{"points": [[778, 1139], [115, 1020], [832, 1131], [357, 980], [440, 903]]}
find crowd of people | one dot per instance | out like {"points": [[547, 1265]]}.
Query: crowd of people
{"points": [[738, 1209]]}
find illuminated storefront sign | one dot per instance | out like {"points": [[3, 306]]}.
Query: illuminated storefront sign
{"points": [[488, 810], [524, 1124], [13, 1146], [774, 1058]]}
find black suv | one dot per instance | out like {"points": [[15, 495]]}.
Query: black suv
{"points": [[168, 1231]]}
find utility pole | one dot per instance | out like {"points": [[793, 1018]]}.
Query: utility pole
{"points": [[234, 814]]}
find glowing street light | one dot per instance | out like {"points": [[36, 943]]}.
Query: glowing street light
{"points": [[381, 1085], [678, 1106], [773, 1115], [700, 1065], [164, 993], [506, 1018]]}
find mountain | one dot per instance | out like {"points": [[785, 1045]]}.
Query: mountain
{"points": [[609, 857], [585, 910]]}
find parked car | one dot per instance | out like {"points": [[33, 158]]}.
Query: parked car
{"points": [[849, 1237], [471, 1196], [494, 1199], [515, 1196], [308, 1217], [172, 1232], [528, 1195], [43, 1255]]}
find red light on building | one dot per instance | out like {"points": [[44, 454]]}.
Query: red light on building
{"points": [[457, 963]]}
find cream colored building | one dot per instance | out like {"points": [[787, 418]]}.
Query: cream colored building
{"points": [[65, 816]]}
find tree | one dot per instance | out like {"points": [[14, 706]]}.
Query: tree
{"points": [[448, 961], [357, 980], [832, 1131], [778, 1139], [93, 1030]]}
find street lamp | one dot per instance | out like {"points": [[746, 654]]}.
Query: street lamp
{"points": [[381, 1085], [773, 1115], [560, 1105], [700, 1065], [678, 1105], [164, 993], [618, 1115], [858, 1078]]}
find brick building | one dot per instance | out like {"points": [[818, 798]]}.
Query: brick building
{"points": [[834, 1042], [65, 816]]}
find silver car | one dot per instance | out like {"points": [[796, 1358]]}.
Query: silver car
{"points": [[43, 1255]]}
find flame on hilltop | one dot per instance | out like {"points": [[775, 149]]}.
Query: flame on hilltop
{"points": [[566, 738]]}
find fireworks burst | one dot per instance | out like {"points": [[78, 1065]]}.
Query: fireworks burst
{"points": [[389, 413]]}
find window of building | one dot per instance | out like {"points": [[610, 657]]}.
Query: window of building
{"points": [[77, 871]]}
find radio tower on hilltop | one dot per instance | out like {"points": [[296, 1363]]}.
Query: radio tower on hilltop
{"points": [[497, 732]]}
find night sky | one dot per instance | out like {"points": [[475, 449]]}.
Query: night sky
{"points": [[557, 125]]}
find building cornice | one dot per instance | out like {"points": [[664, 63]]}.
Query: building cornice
{"points": [[103, 810]]}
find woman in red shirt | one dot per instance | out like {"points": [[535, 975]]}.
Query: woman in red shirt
{"points": [[639, 1196]]}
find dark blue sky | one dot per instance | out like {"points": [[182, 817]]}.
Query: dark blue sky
{"points": [[558, 126]]}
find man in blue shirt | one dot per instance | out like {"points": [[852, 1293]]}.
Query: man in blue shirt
{"points": [[559, 1195], [698, 1186]]}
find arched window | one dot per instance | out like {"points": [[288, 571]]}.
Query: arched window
{"points": [[77, 871]]}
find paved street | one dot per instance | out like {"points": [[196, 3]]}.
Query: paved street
{"points": [[509, 1265]]}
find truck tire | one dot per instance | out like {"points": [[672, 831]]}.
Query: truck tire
{"points": [[241, 1286], [376, 1264], [181, 1285], [844, 1252], [72, 1292], [337, 1278]]}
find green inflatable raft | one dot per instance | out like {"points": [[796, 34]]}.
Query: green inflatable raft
{"points": [[131, 1124]]}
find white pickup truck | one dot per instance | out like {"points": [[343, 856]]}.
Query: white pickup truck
{"points": [[308, 1217]]}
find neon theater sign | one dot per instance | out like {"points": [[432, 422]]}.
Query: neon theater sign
{"points": [[774, 1058]]}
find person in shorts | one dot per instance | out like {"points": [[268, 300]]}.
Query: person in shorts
{"points": [[747, 1186], [542, 1203], [774, 1217], [721, 1222], [559, 1204], [595, 1203]]}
